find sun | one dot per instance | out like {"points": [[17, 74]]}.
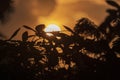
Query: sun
{"points": [[52, 28]]}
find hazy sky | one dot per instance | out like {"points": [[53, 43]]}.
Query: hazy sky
{"points": [[61, 12]]}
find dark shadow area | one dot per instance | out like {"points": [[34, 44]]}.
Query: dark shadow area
{"points": [[89, 52], [6, 7]]}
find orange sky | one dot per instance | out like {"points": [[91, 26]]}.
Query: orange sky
{"points": [[61, 12]]}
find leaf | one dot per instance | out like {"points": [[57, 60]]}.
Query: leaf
{"points": [[116, 42], [40, 28], [14, 34], [25, 36], [111, 11], [27, 27], [116, 45], [70, 30], [113, 3]]}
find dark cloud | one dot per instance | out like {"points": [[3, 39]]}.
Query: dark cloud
{"points": [[41, 7], [94, 10], [27, 12], [5, 8], [47, 6], [32, 9]]}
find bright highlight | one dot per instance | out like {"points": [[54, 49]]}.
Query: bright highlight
{"points": [[52, 28]]}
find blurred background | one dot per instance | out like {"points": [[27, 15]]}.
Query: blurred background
{"points": [[59, 12]]}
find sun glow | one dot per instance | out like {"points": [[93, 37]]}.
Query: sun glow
{"points": [[52, 28]]}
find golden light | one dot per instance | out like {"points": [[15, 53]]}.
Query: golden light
{"points": [[52, 28]]}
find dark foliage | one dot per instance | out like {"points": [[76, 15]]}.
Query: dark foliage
{"points": [[90, 52]]}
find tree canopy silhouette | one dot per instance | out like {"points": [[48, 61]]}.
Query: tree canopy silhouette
{"points": [[89, 52]]}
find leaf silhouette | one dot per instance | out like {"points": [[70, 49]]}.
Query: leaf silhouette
{"points": [[116, 45], [27, 27], [25, 36], [112, 3], [70, 30], [14, 34], [85, 26], [111, 11], [40, 28]]}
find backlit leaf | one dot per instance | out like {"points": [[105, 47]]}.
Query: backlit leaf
{"points": [[70, 30], [25, 36], [27, 27], [14, 34], [112, 3]]}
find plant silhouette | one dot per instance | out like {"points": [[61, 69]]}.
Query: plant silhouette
{"points": [[89, 52]]}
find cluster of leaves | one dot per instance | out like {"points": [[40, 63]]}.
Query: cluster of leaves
{"points": [[89, 52]]}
